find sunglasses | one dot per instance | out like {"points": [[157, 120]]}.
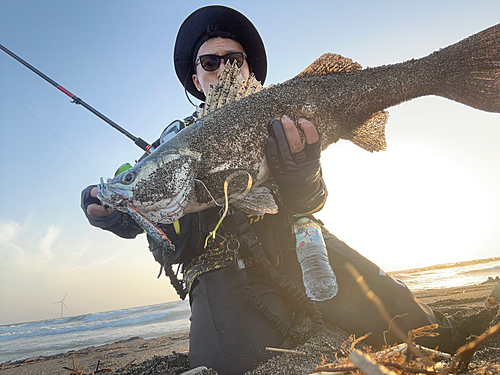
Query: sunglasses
{"points": [[212, 62]]}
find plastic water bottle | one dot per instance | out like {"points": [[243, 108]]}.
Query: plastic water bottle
{"points": [[317, 274]]}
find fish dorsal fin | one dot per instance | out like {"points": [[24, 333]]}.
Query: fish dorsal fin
{"points": [[329, 63], [370, 135], [231, 87]]}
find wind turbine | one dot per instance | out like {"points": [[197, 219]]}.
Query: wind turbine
{"points": [[62, 304]]}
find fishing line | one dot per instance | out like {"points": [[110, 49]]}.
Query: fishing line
{"points": [[41, 122], [208, 191], [226, 200]]}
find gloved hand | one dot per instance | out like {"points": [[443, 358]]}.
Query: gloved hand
{"points": [[296, 168], [98, 215], [108, 219], [93, 206]]}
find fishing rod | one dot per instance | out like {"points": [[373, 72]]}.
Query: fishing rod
{"points": [[76, 100]]}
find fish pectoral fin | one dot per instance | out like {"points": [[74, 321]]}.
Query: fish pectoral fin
{"points": [[258, 201], [329, 63], [370, 135]]}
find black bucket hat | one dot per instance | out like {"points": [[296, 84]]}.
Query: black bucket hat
{"points": [[193, 33]]}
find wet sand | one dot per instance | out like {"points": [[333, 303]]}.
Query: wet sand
{"points": [[466, 307], [113, 356]]}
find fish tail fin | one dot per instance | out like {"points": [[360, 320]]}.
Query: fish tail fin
{"points": [[471, 70]]}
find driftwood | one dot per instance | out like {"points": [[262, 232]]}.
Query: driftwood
{"points": [[417, 359], [75, 371]]}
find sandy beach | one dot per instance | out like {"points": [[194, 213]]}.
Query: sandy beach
{"points": [[466, 307]]}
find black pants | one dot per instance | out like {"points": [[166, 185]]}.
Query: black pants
{"points": [[354, 313], [230, 335], [227, 332]]}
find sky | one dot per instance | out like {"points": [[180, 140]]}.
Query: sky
{"points": [[432, 197]]}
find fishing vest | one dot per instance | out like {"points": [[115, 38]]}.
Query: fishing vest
{"points": [[198, 252]]}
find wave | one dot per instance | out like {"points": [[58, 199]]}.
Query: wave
{"points": [[492, 269], [450, 275], [466, 263], [98, 321]]}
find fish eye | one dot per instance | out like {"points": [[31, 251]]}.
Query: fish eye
{"points": [[128, 178]]}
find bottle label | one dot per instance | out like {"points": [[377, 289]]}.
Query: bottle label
{"points": [[309, 235]]}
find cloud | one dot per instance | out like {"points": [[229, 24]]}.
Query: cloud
{"points": [[40, 263], [21, 243], [8, 230], [9, 250], [48, 240]]}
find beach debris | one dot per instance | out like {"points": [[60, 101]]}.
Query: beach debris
{"points": [[75, 371], [488, 370], [348, 345], [368, 365], [464, 354], [495, 293], [98, 371], [491, 301], [379, 363], [411, 335], [401, 348], [406, 357], [348, 105], [175, 363], [392, 351], [434, 353], [195, 371], [289, 351]]}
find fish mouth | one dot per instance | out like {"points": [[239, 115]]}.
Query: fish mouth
{"points": [[113, 196], [165, 211]]}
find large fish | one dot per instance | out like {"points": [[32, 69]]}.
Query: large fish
{"points": [[187, 173]]}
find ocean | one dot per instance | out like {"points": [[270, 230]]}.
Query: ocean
{"points": [[53, 336]]}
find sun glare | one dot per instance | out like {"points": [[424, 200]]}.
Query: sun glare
{"points": [[404, 208]]}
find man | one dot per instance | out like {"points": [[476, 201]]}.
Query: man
{"points": [[241, 283]]}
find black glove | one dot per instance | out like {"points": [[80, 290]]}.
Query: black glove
{"points": [[298, 175], [103, 221], [117, 222], [88, 199]]}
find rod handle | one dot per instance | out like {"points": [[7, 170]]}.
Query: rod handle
{"points": [[143, 144]]}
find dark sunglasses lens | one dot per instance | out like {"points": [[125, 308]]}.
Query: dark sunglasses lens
{"points": [[238, 57], [210, 62]]}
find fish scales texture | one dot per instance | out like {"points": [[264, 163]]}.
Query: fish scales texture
{"points": [[348, 105]]}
